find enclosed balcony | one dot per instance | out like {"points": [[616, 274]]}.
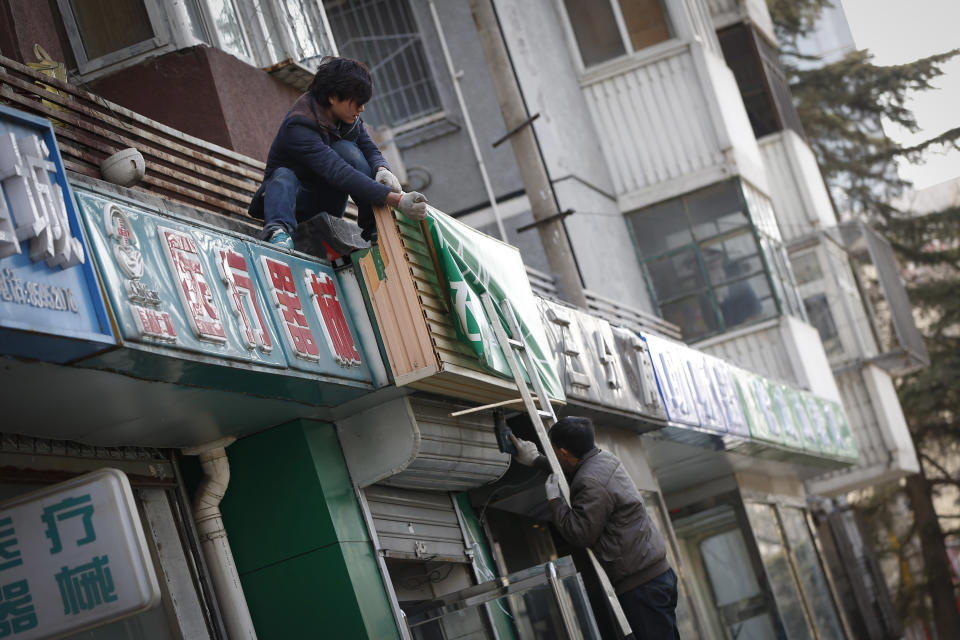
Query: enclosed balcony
{"points": [[666, 107]]}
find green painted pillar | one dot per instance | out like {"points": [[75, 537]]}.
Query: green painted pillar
{"points": [[299, 540]]}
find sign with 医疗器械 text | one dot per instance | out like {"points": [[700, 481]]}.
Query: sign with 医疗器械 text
{"points": [[183, 289], [73, 556], [51, 307]]}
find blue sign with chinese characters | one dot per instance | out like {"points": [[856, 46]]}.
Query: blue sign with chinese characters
{"points": [[234, 308], [746, 410], [73, 556], [51, 307]]}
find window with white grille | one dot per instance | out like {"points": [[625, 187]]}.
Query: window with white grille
{"points": [[383, 34]]}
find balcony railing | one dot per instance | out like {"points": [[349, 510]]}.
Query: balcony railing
{"points": [[902, 349]]}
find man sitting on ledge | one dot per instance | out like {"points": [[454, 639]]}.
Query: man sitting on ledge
{"points": [[322, 154]]}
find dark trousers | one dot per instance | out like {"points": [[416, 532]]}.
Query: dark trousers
{"points": [[651, 608], [286, 202]]}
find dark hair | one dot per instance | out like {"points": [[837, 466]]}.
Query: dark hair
{"points": [[573, 433], [341, 78]]}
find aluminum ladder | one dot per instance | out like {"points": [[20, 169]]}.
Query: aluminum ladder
{"points": [[511, 346]]}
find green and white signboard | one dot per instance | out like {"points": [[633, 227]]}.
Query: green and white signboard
{"points": [[73, 556], [472, 264]]}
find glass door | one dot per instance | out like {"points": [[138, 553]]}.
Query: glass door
{"points": [[726, 581]]}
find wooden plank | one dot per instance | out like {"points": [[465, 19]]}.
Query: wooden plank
{"points": [[94, 143], [162, 184], [395, 304], [248, 187], [208, 147]]}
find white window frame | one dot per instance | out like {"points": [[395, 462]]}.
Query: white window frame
{"points": [[629, 51], [242, 9], [441, 112], [86, 65], [264, 27]]}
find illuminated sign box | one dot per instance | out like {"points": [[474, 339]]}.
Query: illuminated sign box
{"points": [[51, 307], [199, 306], [605, 370], [73, 556], [709, 401]]}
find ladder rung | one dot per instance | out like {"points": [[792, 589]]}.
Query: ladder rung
{"points": [[516, 344], [545, 414]]}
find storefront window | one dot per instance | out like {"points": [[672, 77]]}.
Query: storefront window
{"points": [[810, 572], [766, 532], [714, 260], [735, 584]]}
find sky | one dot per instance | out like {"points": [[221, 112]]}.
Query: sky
{"points": [[899, 31]]}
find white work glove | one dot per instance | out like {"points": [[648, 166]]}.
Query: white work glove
{"points": [[386, 178], [527, 452], [552, 487], [413, 205]]}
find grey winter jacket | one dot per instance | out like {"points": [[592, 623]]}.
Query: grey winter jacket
{"points": [[607, 514]]}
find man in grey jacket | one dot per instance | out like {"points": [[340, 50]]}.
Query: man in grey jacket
{"points": [[607, 514]]}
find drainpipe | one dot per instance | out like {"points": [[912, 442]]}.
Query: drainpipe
{"points": [[455, 76], [213, 538]]}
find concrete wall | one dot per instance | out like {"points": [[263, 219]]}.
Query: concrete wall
{"points": [[206, 93], [443, 149], [24, 23], [568, 138]]}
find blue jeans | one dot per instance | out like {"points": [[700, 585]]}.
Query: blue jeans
{"points": [[651, 608], [286, 202]]}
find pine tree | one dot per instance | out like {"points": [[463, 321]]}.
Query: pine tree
{"points": [[842, 106]]}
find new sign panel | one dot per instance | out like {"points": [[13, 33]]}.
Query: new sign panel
{"points": [[73, 556], [47, 284]]}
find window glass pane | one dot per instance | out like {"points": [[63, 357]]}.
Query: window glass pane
{"points": [[227, 23], [110, 25], [728, 565], [660, 228], [732, 258], [811, 573], [782, 276], [384, 35], [307, 36], [806, 267], [716, 210], [766, 532], [646, 22], [761, 212], [685, 622], [675, 275], [818, 311], [746, 301], [694, 315], [595, 29]]}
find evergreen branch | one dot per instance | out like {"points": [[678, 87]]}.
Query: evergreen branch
{"points": [[936, 465]]}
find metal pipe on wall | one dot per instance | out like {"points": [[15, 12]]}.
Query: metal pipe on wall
{"points": [[213, 538], [468, 124]]}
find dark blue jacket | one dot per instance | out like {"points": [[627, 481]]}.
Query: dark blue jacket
{"points": [[303, 145]]}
